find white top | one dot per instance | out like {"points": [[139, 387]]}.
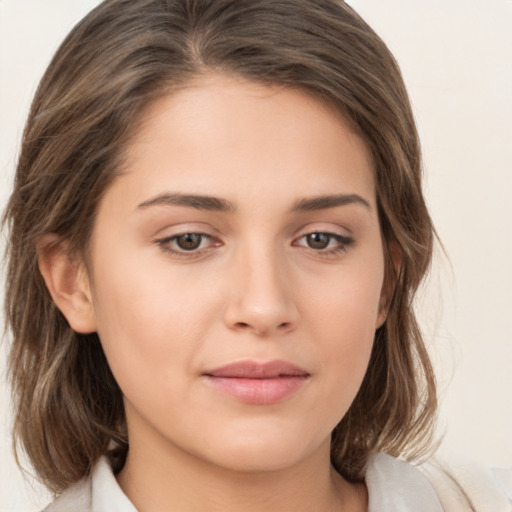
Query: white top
{"points": [[393, 486]]}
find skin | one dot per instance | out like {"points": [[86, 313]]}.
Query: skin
{"points": [[254, 289]]}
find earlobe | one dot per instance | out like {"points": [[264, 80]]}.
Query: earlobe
{"points": [[67, 282], [381, 317]]}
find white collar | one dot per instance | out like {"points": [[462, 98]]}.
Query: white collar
{"points": [[396, 486], [107, 496], [393, 486]]}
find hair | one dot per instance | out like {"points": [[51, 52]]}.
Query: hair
{"points": [[116, 62]]}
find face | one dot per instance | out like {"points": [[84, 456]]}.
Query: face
{"points": [[236, 270]]}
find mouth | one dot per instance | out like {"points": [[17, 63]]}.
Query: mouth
{"points": [[256, 383]]}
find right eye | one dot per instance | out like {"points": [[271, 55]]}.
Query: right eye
{"points": [[189, 241], [186, 243]]}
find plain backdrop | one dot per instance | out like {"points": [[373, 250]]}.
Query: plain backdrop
{"points": [[456, 57]]}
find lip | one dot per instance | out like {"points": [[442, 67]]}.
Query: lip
{"points": [[257, 383]]}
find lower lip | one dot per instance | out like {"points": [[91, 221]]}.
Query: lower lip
{"points": [[259, 391]]}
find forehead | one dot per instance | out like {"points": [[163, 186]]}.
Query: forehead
{"points": [[225, 132]]}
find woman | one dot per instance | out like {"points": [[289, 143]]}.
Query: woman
{"points": [[217, 230]]}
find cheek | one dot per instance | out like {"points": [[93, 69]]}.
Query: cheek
{"points": [[345, 304], [344, 319], [348, 334], [150, 321]]}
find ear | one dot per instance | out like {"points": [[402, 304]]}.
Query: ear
{"points": [[393, 265], [68, 283]]}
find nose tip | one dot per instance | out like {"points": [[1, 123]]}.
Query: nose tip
{"points": [[262, 302]]}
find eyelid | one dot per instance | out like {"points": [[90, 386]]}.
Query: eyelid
{"points": [[169, 227]]}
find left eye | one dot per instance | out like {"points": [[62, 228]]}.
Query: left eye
{"points": [[324, 241]]}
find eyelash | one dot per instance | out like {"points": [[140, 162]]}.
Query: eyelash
{"points": [[343, 244]]}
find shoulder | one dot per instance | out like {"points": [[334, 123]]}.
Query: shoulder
{"points": [[395, 486]]}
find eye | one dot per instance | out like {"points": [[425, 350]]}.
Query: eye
{"points": [[189, 241], [318, 240], [192, 243], [327, 243]]}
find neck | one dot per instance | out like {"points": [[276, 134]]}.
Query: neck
{"points": [[156, 480]]}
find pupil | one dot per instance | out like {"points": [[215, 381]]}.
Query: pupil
{"points": [[318, 240], [189, 242]]}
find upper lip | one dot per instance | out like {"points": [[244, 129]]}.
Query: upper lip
{"points": [[257, 370]]}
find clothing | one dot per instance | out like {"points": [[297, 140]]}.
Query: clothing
{"points": [[393, 486]]}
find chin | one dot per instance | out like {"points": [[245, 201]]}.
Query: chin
{"points": [[264, 452], [257, 461]]}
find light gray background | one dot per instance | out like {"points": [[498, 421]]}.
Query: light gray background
{"points": [[456, 56]]}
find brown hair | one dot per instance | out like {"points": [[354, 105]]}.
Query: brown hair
{"points": [[114, 63]]}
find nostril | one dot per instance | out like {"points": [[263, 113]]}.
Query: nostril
{"points": [[247, 326]]}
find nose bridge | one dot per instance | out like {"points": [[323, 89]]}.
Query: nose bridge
{"points": [[260, 264], [261, 300]]}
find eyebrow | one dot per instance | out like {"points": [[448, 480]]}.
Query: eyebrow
{"points": [[199, 202], [211, 203], [329, 201]]}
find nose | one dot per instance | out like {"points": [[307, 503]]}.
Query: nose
{"points": [[262, 300]]}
